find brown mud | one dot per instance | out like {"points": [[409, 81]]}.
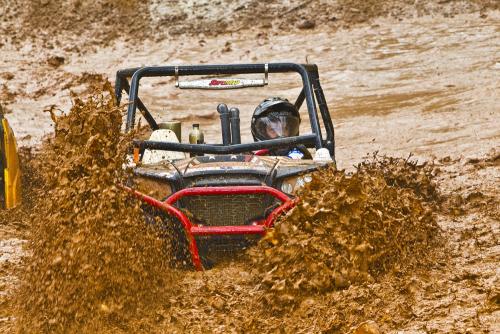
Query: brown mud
{"points": [[349, 229], [359, 246], [104, 269], [98, 261], [87, 24], [399, 77]]}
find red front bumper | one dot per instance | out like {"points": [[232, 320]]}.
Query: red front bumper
{"points": [[259, 227]]}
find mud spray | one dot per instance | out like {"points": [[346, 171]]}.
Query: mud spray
{"points": [[350, 229], [94, 265]]}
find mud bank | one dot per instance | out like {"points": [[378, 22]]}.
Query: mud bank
{"points": [[87, 25]]}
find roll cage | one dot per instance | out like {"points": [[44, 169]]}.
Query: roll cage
{"points": [[311, 93]]}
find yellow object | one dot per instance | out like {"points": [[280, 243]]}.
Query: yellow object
{"points": [[12, 171]]}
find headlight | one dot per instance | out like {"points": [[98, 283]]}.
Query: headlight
{"points": [[290, 185]]}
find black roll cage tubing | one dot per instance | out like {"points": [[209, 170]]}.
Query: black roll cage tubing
{"points": [[310, 86]]}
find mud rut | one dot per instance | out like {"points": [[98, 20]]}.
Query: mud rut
{"points": [[337, 260]]}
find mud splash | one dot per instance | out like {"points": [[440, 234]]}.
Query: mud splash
{"points": [[357, 248], [347, 254], [93, 263], [350, 229]]}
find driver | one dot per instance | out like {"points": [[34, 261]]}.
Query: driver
{"points": [[276, 117]]}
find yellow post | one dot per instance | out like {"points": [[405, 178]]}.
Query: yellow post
{"points": [[12, 171]]}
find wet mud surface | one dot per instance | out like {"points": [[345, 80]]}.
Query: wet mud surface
{"points": [[411, 246]]}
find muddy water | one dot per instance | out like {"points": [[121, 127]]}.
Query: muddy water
{"points": [[421, 86], [428, 86]]}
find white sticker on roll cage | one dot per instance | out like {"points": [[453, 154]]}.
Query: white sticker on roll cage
{"points": [[232, 83]]}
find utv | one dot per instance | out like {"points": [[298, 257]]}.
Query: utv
{"points": [[217, 198]]}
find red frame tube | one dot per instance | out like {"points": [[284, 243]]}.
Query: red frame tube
{"points": [[262, 152], [193, 247], [233, 190], [260, 227], [225, 230]]}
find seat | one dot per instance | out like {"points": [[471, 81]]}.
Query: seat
{"points": [[156, 156]]}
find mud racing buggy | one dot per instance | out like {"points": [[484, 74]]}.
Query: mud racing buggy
{"points": [[221, 197]]}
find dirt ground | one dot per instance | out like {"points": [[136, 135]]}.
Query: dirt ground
{"points": [[417, 77]]}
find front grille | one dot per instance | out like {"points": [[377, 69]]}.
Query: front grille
{"points": [[224, 210]]}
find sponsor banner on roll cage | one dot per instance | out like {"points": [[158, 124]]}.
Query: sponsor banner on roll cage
{"points": [[231, 83]]}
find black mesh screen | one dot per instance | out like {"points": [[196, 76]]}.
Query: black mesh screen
{"points": [[223, 210]]}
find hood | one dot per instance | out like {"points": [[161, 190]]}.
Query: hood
{"points": [[261, 168]]}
